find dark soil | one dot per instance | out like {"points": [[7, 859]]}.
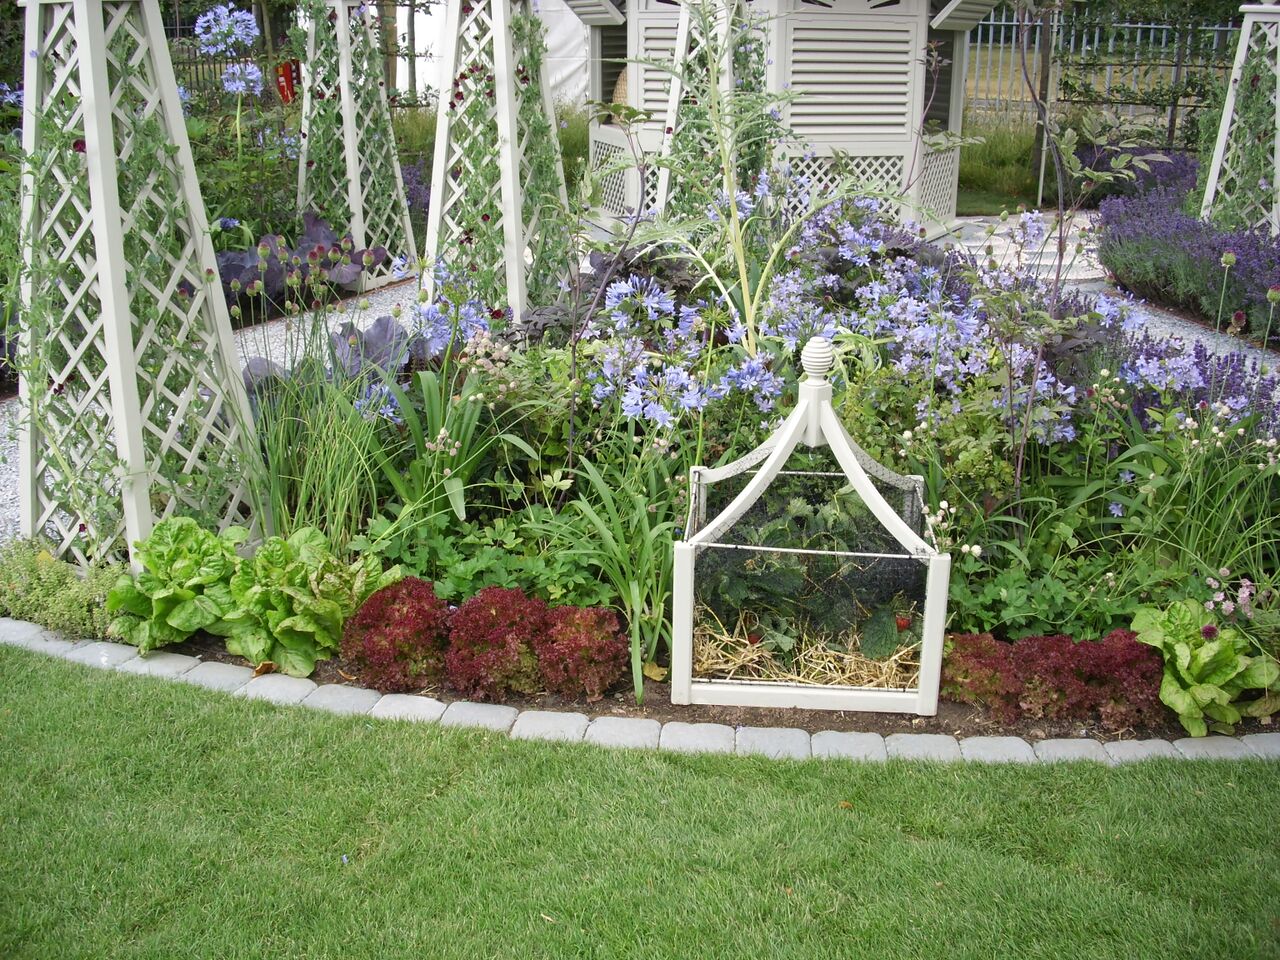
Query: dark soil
{"points": [[956, 719]]}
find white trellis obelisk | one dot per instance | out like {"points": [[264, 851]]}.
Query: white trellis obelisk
{"points": [[134, 404], [498, 217], [701, 33], [348, 170], [1244, 176]]}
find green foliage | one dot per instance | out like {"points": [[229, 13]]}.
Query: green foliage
{"points": [[1207, 668], [507, 551], [880, 637], [996, 167], [629, 519], [184, 585], [53, 593], [294, 596]]}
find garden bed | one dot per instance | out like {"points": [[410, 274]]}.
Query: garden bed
{"points": [[955, 719]]}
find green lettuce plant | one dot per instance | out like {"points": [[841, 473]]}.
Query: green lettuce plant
{"points": [[293, 597], [184, 585], [1207, 668]]}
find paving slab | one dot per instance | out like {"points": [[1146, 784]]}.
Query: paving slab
{"points": [[277, 688], [32, 636], [922, 746], [778, 743], [1126, 751], [405, 706], [102, 654], [1264, 745], [1071, 748], [22, 633], [227, 677], [486, 716], [549, 725], [1213, 748], [832, 744], [997, 750], [340, 698], [683, 737], [159, 663], [635, 733]]}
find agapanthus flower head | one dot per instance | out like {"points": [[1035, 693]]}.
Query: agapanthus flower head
{"points": [[225, 30], [379, 403], [242, 78]]}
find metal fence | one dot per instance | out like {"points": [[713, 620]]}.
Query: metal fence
{"points": [[1150, 71]]}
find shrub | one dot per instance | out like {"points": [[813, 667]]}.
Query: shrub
{"points": [[1159, 251], [397, 639], [1114, 681], [58, 595], [582, 651], [491, 644]]}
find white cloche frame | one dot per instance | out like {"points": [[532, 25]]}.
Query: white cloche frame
{"points": [[813, 423]]}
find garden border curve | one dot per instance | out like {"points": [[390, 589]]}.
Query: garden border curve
{"points": [[673, 736]]}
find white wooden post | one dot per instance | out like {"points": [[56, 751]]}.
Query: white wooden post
{"points": [[690, 37], [139, 350], [509, 148], [344, 98], [1259, 44]]}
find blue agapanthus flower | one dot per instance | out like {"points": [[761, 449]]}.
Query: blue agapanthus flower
{"points": [[379, 403], [225, 30], [242, 78], [441, 325]]}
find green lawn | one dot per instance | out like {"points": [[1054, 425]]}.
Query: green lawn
{"points": [[144, 818]]}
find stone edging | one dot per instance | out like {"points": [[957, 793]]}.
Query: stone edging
{"points": [[624, 732]]}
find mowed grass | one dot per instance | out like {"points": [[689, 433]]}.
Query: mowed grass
{"points": [[144, 818]]}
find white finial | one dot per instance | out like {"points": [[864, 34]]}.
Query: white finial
{"points": [[817, 358]]}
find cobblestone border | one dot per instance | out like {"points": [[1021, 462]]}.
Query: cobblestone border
{"points": [[626, 732]]}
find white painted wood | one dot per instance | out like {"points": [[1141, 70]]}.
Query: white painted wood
{"points": [[1259, 42], [856, 66], [440, 162], [34, 85], [493, 47], [682, 625], [760, 693], [509, 156], [368, 140], [963, 14], [814, 423], [143, 414], [355, 191]]}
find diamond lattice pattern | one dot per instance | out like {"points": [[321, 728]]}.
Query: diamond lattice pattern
{"points": [[192, 430], [1247, 199]]}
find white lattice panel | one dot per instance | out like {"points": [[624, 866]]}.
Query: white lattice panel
{"points": [[482, 223], [613, 184], [349, 170], [133, 404], [936, 191], [1238, 185]]}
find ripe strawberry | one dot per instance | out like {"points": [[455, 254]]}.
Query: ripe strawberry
{"points": [[903, 621]]}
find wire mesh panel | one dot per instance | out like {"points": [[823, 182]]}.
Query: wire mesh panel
{"points": [[133, 404], [807, 576], [349, 171]]}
